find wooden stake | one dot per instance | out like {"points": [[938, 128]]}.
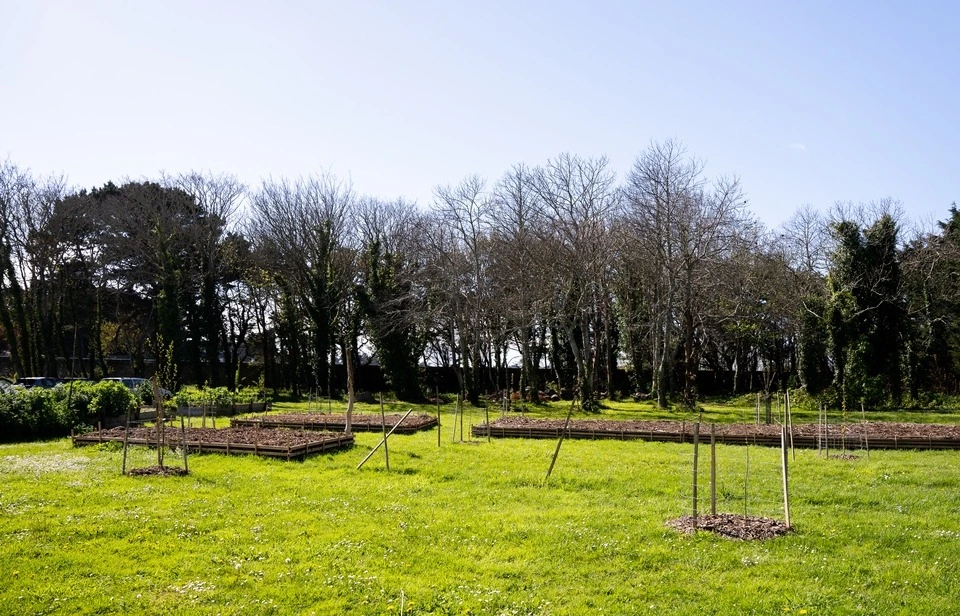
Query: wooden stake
{"points": [[436, 392], [786, 482]]}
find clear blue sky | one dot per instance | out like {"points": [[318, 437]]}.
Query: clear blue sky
{"points": [[807, 102]]}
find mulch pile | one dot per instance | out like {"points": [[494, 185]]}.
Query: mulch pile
{"points": [[732, 526], [164, 471]]}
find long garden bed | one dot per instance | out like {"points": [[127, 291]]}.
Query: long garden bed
{"points": [[867, 435], [270, 442], [360, 422]]}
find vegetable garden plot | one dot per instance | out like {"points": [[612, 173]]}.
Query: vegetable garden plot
{"points": [[338, 422], [270, 442], [850, 436]]}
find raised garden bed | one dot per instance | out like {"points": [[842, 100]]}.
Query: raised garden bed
{"points": [[868, 435], [369, 422], [277, 443], [223, 410]]}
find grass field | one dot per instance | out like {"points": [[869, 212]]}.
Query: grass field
{"points": [[471, 528]]}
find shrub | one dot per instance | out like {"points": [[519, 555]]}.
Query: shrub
{"points": [[28, 414], [111, 399], [144, 393], [216, 396], [74, 399]]}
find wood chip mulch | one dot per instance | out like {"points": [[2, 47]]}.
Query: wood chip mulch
{"points": [[164, 471], [357, 419], [873, 429], [732, 526], [279, 437]]}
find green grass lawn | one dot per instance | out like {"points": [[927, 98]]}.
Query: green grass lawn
{"points": [[470, 528]]}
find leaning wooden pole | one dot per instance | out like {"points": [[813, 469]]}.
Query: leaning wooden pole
{"points": [[556, 452], [385, 437]]}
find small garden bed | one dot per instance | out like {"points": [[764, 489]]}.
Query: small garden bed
{"points": [[369, 422], [271, 442], [867, 435]]}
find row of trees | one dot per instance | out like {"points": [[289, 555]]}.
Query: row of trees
{"points": [[558, 266]]}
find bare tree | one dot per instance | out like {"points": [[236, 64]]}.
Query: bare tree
{"points": [[302, 225], [576, 198], [517, 267], [458, 246], [681, 223]]}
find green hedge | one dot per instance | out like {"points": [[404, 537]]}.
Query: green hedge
{"points": [[31, 414], [216, 396]]}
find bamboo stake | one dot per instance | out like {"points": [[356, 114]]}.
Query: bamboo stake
{"points": [[436, 392], [786, 482], [863, 422], [183, 437], [696, 459], [383, 425], [456, 409], [713, 469], [382, 442], [126, 434], [826, 431], [746, 480], [487, 409], [793, 451]]}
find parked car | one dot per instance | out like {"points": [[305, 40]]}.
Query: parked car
{"points": [[133, 382], [46, 382]]}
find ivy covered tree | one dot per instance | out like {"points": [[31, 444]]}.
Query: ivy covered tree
{"points": [[865, 313]]}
